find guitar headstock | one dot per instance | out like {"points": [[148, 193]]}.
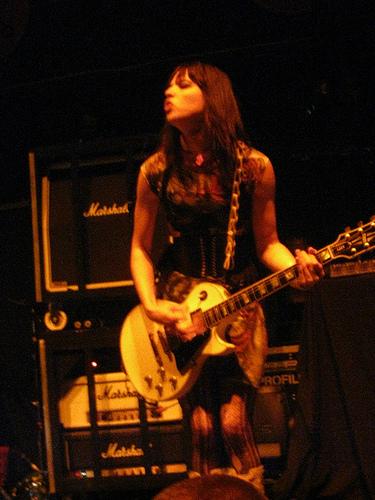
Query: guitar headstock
{"points": [[354, 242]]}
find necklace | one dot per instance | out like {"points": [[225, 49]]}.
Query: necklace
{"points": [[199, 160]]}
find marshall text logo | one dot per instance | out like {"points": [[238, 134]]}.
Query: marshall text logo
{"points": [[96, 210], [110, 393], [113, 451]]}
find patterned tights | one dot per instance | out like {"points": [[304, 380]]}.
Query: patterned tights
{"points": [[218, 411]]}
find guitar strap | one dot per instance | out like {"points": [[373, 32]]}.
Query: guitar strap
{"points": [[233, 212]]}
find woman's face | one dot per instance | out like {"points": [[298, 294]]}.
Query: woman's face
{"points": [[184, 102]]}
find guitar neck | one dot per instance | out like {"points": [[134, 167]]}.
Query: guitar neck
{"points": [[259, 291]]}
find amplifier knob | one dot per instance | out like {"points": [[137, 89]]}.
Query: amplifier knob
{"points": [[148, 379], [173, 381], [161, 371], [56, 320]]}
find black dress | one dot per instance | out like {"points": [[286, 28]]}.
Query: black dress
{"points": [[197, 209]]}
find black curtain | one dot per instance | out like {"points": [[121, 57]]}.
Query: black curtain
{"points": [[332, 445]]}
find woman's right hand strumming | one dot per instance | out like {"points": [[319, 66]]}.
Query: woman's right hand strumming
{"points": [[175, 317]]}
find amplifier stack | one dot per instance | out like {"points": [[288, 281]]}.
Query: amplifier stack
{"points": [[122, 443], [97, 428]]}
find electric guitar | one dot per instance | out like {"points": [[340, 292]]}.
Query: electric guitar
{"points": [[161, 367]]}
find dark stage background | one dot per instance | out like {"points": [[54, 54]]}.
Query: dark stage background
{"points": [[77, 71], [74, 70]]}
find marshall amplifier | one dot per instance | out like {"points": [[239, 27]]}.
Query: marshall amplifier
{"points": [[125, 451], [122, 445], [82, 210], [116, 402], [96, 426]]}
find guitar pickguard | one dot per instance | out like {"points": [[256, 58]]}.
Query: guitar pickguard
{"points": [[204, 296], [186, 352]]}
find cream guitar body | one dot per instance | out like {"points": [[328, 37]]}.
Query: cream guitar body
{"points": [[151, 355]]}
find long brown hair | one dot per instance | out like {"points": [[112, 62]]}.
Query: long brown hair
{"points": [[222, 120]]}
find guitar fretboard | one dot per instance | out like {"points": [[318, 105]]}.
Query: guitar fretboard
{"points": [[258, 291], [348, 245]]}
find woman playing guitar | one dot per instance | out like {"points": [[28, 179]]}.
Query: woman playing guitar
{"points": [[208, 179]]}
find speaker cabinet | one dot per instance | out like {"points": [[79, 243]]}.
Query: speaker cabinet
{"points": [[274, 407], [82, 208], [270, 422], [98, 434], [122, 451]]}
